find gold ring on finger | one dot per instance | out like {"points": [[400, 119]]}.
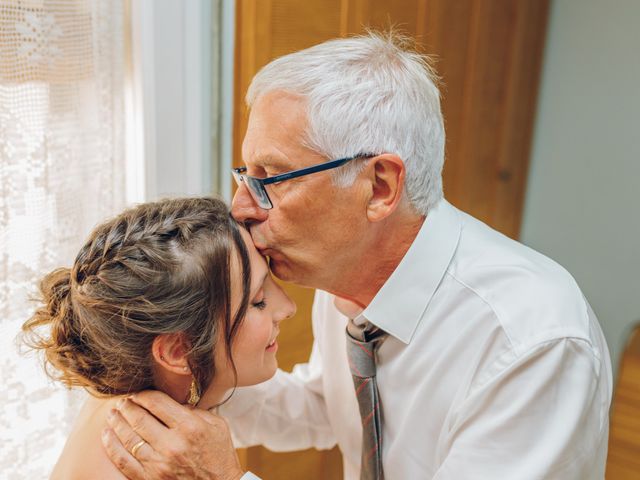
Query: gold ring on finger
{"points": [[136, 447]]}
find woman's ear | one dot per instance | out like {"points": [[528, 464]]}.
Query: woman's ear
{"points": [[387, 173], [169, 350]]}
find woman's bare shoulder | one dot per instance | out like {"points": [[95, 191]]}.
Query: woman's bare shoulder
{"points": [[83, 456]]}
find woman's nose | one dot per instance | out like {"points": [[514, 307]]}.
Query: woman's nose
{"points": [[293, 308], [289, 307]]}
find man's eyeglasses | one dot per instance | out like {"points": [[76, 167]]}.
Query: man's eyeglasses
{"points": [[256, 186]]}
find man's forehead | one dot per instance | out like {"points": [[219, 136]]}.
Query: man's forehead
{"points": [[274, 99], [276, 132]]}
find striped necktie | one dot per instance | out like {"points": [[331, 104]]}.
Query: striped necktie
{"points": [[362, 342]]}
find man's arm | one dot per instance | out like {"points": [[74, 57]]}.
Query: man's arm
{"points": [[541, 415]]}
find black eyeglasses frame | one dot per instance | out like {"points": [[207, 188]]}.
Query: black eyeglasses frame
{"points": [[256, 186]]}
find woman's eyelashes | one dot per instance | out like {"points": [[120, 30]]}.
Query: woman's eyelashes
{"points": [[261, 303]]}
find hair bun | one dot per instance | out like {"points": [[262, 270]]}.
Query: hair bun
{"points": [[55, 289], [62, 347]]}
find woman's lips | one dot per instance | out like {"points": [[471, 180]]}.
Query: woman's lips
{"points": [[273, 347]]}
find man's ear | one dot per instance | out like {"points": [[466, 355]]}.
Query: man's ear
{"points": [[386, 173], [169, 350]]}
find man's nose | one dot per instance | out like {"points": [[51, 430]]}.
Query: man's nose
{"points": [[244, 208]]}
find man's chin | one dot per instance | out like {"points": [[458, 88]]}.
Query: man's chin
{"points": [[281, 270], [277, 268]]}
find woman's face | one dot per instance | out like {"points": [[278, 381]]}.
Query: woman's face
{"points": [[254, 347]]}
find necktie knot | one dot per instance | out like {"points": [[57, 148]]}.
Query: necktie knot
{"points": [[362, 342]]}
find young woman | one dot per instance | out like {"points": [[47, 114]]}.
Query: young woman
{"points": [[170, 295]]}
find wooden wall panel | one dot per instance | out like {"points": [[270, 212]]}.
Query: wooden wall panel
{"points": [[624, 439], [401, 15], [289, 34], [488, 54], [487, 160], [522, 85], [446, 35], [487, 71]]}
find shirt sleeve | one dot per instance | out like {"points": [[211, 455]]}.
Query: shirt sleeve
{"points": [[539, 415], [286, 413]]}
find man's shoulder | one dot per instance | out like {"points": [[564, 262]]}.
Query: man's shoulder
{"points": [[531, 295]]}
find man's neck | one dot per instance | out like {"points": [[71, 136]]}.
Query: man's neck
{"points": [[385, 250]]}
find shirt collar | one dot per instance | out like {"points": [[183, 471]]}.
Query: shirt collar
{"points": [[399, 305]]}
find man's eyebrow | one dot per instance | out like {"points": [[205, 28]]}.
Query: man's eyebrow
{"points": [[271, 161]]}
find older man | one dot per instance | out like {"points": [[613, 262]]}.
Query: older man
{"points": [[479, 358]]}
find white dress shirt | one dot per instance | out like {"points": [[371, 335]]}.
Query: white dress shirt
{"points": [[495, 367]]}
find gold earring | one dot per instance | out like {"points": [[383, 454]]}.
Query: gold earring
{"points": [[194, 394]]}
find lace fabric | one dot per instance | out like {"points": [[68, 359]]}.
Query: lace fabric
{"points": [[61, 172]]}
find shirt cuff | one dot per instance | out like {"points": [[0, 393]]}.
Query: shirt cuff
{"points": [[249, 476]]}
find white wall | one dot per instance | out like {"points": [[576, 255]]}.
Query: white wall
{"points": [[583, 197], [225, 95], [182, 95], [171, 59]]}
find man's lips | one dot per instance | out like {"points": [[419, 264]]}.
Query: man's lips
{"points": [[259, 241], [260, 246], [266, 251]]}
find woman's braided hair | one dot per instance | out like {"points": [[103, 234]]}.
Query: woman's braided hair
{"points": [[161, 267]]}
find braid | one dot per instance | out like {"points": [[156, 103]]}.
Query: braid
{"points": [[157, 268]]}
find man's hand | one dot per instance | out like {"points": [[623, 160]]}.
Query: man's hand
{"points": [[181, 443]]}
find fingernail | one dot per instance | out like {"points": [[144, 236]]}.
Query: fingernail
{"points": [[105, 433]]}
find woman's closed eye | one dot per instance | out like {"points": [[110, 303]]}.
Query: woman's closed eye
{"points": [[259, 300], [261, 305]]}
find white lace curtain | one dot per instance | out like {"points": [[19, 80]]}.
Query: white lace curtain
{"points": [[61, 171]]}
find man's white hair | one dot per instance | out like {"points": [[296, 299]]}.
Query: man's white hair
{"points": [[367, 94]]}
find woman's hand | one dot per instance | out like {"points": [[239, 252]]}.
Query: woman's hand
{"points": [[179, 442]]}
